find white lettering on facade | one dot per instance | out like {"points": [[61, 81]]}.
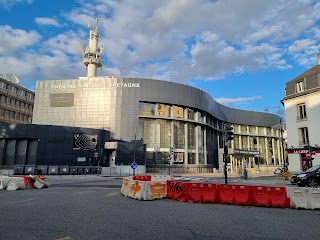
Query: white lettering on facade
{"points": [[300, 151], [101, 85]]}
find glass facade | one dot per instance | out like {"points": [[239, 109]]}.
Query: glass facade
{"points": [[147, 109], [178, 135], [163, 134], [171, 140], [191, 136], [201, 145], [148, 132]]}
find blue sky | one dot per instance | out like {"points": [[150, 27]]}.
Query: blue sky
{"points": [[241, 52]]}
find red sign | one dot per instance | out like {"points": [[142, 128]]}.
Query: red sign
{"points": [[308, 155]]}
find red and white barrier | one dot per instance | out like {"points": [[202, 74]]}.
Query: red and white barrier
{"points": [[144, 187], [307, 198], [22, 182], [141, 188], [236, 194]]}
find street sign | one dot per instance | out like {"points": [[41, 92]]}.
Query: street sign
{"points": [[134, 165], [308, 155]]}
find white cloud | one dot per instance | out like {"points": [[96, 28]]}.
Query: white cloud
{"points": [[11, 3], [47, 21], [177, 40], [13, 40], [300, 45]]}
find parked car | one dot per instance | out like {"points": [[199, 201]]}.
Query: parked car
{"points": [[310, 178], [294, 179]]}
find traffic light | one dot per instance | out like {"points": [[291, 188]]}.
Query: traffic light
{"points": [[225, 150], [229, 133]]}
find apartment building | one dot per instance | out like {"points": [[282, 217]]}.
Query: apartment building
{"points": [[302, 108], [16, 102]]}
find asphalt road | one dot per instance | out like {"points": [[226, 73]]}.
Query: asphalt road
{"points": [[89, 208]]}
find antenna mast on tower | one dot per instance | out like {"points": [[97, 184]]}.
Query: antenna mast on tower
{"points": [[92, 53]]}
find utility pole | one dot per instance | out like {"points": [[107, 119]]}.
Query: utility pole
{"points": [[282, 146]]}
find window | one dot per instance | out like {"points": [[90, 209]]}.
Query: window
{"points": [[201, 117], [148, 129], [300, 86], [252, 130], [191, 136], [8, 100], [3, 98], [163, 110], [163, 133], [147, 109], [190, 114], [30, 96], [302, 114], [243, 129], [177, 112], [178, 135], [3, 85], [303, 136], [13, 89], [22, 93]]}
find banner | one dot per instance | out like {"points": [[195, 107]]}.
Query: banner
{"points": [[178, 157], [84, 141]]}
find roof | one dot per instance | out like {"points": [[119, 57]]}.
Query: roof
{"points": [[311, 71]]}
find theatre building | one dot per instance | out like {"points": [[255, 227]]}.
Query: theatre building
{"points": [[179, 124], [162, 122]]}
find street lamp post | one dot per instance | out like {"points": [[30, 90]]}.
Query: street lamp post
{"points": [[281, 134]]}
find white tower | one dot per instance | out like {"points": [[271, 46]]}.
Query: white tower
{"points": [[92, 53]]}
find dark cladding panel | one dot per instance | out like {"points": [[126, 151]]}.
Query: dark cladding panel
{"points": [[2, 145], [10, 152], [21, 151], [32, 152]]}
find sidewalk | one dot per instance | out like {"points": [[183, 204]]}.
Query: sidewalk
{"points": [[266, 179], [231, 175]]}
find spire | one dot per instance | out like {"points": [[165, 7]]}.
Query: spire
{"points": [[92, 53], [318, 57]]}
